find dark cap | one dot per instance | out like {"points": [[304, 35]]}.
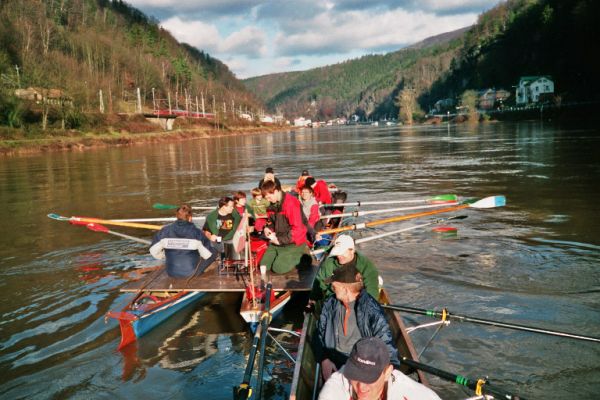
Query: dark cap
{"points": [[269, 170], [368, 359], [305, 172], [309, 181], [344, 274]]}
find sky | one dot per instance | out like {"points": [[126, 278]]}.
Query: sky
{"points": [[259, 37]]}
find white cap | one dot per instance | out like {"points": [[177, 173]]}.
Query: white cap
{"points": [[341, 244]]}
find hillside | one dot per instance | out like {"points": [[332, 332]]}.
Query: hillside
{"points": [[77, 48], [514, 39], [364, 86]]}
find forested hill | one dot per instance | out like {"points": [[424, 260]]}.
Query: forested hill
{"points": [[366, 86], [516, 38], [83, 46]]}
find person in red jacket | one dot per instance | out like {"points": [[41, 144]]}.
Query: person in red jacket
{"points": [[320, 188], [286, 231]]}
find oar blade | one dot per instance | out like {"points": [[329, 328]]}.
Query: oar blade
{"points": [[490, 202], [443, 198], [97, 227], [161, 206], [58, 217]]}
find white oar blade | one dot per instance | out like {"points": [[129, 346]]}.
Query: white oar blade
{"points": [[490, 202]]}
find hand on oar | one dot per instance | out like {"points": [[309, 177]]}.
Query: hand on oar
{"points": [[480, 386], [161, 206], [440, 198], [387, 210], [85, 220], [463, 318], [100, 228], [488, 202]]}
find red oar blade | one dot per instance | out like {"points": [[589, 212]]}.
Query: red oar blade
{"points": [[97, 227]]}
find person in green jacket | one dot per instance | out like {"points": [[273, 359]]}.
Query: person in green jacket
{"points": [[344, 253], [221, 224]]}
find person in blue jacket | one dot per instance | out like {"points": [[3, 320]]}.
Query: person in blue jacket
{"points": [[346, 317], [185, 247]]}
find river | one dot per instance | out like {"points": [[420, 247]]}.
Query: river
{"points": [[534, 262]]}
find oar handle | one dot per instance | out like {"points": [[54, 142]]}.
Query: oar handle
{"points": [[480, 386]]}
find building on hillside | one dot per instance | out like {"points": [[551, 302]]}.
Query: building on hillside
{"points": [[302, 122], [444, 105], [491, 98], [42, 95], [531, 87]]}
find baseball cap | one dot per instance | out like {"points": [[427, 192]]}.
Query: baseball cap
{"points": [[367, 360], [341, 244], [344, 274]]}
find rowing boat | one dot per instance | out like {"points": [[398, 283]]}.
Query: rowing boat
{"points": [[305, 381]]}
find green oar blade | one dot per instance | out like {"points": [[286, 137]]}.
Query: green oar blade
{"points": [[443, 198], [161, 206]]}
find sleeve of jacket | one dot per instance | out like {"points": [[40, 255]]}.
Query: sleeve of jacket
{"points": [[370, 276], [381, 328], [297, 227], [319, 338], [156, 249], [314, 215], [319, 288], [210, 223]]}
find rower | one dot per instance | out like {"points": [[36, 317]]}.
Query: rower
{"points": [[347, 317], [368, 374], [269, 176], [341, 255], [320, 188], [300, 182], [286, 233], [186, 250]]}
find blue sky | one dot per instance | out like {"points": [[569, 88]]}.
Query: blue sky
{"points": [[258, 37]]}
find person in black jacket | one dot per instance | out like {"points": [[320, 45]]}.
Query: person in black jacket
{"points": [[185, 247], [348, 316]]}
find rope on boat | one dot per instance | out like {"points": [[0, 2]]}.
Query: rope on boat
{"points": [[282, 348]]}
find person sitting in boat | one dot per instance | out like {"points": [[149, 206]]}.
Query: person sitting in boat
{"points": [[344, 254], [310, 209], [269, 176], [346, 317], [286, 231], [220, 224], [186, 249], [320, 188], [369, 375], [257, 206], [337, 198], [300, 181], [239, 200]]}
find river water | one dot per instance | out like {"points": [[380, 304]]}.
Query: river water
{"points": [[534, 262]]}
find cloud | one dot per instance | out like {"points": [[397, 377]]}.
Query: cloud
{"points": [[197, 9], [344, 32], [249, 41], [438, 7], [196, 33]]}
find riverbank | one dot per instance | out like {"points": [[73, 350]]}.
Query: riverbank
{"points": [[81, 141]]}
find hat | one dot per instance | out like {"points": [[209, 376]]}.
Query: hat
{"points": [[305, 172], [367, 360], [344, 274], [341, 244]]}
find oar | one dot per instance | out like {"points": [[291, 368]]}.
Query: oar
{"points": [[265, 320], [161, 206], [488, 202], [244, 390], [167, 219], [101, 228], [440, 198], [480, 386], [463, 318], [83, 220], [387, 210], [410, 228]]}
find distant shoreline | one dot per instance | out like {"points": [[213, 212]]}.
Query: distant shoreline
{"points": [[88, 141]]}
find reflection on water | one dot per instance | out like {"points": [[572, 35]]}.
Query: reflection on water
{"points": [[533, 262]]}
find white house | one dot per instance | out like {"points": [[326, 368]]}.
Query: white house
{"points": [[302, 122], [531, 87]]}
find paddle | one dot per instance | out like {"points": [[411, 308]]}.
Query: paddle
{"points": [[161, 206], [488, 202], [440, 198], [84, 220], [100, 228], [463, 318], [410, 228], [361, 213], [481, 386], [244, 390], [167, 219], [265, 320]]}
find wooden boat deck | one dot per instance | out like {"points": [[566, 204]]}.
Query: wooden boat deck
{"points": [[212, 280]]}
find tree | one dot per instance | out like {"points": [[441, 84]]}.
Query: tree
{"points": [[407, 104], [468, 101]]}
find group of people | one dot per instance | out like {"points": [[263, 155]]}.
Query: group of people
{"points": [[285, 223], [354, 343]]}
